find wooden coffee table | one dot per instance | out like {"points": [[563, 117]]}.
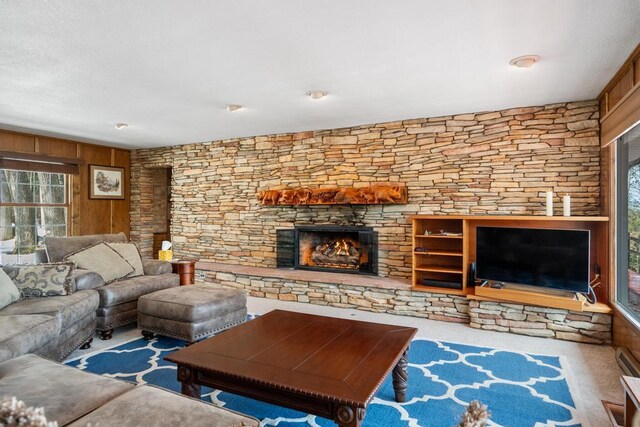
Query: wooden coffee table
{"points": [[321, 365]]}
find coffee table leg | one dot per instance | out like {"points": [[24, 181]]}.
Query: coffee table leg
{"points": [[348, 416], [401, 377], [189, 387]]}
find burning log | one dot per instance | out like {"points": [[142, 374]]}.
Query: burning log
{"points": [[338, 253]]}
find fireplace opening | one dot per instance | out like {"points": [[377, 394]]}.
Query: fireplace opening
{"points": [[343, 249]]}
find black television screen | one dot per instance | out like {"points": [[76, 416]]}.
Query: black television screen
{"points": [[556, 259]]}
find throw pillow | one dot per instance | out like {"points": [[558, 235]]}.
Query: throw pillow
{"points": [[43, 280], [103, 260], [9, 292], [131, 254]]}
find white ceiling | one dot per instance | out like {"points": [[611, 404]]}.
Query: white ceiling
{"points": [[168, 67]]}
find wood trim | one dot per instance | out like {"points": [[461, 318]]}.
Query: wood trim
{"points": [[516, 218], [13, 155], [624, 116], [630, 61], [39, 166]]}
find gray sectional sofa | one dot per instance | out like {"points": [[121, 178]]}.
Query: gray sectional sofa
{"points": [[54, 327], [119, 300], [76, 398]]}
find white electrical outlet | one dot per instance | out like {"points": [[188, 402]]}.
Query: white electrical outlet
{"points": [[200, 275]]}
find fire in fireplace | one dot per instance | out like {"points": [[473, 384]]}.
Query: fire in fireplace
{"points": [[342, 249]]}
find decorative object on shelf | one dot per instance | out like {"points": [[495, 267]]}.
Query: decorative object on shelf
{"points": [[374, 195], [165, 253], [566, 205], [106, 182], [549, 203]]}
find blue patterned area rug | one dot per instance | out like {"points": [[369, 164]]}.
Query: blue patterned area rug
{"points": [[520, 389]]}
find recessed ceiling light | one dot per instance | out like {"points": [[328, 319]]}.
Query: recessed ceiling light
{"points": [[121, 125], [317, 94], [525, 61], [233, 107]]}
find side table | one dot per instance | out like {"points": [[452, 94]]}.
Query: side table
{"points": [[631, 402], [186, 269]]}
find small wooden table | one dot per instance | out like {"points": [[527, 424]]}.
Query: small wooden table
{"points": [[631, 398], [186, 268], [321, 365]]}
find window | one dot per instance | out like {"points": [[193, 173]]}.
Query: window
{"points": [[628, 223], [33, 205]]}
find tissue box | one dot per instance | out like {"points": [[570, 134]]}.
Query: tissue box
{"points": [[165, 255]]}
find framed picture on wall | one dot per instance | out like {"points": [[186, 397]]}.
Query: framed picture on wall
{"points": [[106, 182]]}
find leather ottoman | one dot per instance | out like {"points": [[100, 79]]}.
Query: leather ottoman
{"points": [[190, 313]]}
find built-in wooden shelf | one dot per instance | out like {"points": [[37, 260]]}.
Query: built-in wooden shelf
{"points": [[537, 298], [440, 269], [439, 253], [448, 257], [438, 236], [437, 290]]}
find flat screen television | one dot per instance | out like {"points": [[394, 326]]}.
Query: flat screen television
{"points": [[557, 259]]}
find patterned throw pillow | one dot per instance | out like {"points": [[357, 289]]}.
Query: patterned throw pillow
{"points": [[43, 280], [131, 254], [104, 260]]}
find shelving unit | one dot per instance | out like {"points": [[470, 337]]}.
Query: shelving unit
{"points": [[437, 256], [442, 257]]}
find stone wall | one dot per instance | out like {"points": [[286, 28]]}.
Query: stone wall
{"points": [[486, 163], [520, 319], [543, 322]]}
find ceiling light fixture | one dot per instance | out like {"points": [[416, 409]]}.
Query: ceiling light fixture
{"points": [[317, 94], [233, 107], [121, 125], [525, 61]]}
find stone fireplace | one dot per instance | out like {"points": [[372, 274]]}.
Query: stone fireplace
{"points": [[332, 248]]}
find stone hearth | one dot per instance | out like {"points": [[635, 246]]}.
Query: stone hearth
{"points": [[394, 296]]}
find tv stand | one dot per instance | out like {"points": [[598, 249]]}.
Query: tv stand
{"points": [[515, 293], [444, 247]]}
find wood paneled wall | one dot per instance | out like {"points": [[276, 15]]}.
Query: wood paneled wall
{"points": [[619, 101], [87, 216], [619, 109]]}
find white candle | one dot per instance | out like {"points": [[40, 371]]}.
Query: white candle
{"points": [[566, 205], [549, 203]]}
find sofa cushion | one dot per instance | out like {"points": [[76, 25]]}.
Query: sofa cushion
{"points": [[133, 288], [22, 334], [66, 393], [154, 267], [42, 280], [85, 279], [102, 259], [60, 247], [68, 309], [130, 253], [9, 292], [152, 406]]}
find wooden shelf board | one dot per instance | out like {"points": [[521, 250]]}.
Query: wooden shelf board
{"points": [[439, 252], [439, 269], [437, 236], [436, 290], [598, 307], [532, 298], [515, 218]]}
